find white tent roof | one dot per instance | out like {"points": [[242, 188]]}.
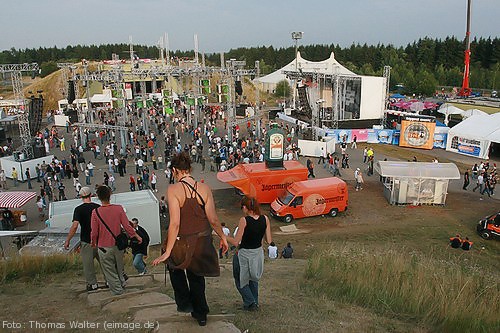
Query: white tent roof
{"points": [[473, 112], [479, 127], [419, 170], [100, 98], [328, 66], [449, 109]]}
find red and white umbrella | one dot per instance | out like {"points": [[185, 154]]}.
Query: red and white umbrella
{"points": [[15, 199]]}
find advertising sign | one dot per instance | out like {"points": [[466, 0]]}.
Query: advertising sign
{"points": [[380, 136], [361, 135], [440, 140], [466, 146], [275, 148], [417, 134], [276, 142]]}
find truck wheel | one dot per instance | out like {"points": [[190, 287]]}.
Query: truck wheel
{"points": [[288, 218], [333, 212], [485, 235]]}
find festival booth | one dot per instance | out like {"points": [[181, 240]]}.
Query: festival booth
{"points": [[474, 135], [142, 205], [18, 218], [416, 183]]}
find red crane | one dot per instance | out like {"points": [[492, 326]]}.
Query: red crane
{"points": [[465, 91]]}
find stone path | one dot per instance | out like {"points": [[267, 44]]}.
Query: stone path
{"points": [[144, 302]]}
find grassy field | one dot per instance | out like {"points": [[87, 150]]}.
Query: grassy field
{"points": [[448, 295], [487, 109]]}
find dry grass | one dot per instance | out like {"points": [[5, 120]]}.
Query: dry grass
{"points": [[448, 295], [36, 267], [487, 109]]}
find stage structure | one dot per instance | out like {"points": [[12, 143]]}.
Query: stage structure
{"points": [[16, 71], [329, 94], [116, 73]]}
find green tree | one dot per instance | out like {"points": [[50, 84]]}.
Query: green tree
{"points": [[425, 83], [48, 68], [282, 89]]}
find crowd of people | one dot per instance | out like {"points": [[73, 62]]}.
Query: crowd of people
{"points": [[484, 176]]}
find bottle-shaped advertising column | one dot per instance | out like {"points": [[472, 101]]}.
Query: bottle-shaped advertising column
{"points": [[275, 148]]}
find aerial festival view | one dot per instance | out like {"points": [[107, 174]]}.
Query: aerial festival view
{"points": [[250, 166]]}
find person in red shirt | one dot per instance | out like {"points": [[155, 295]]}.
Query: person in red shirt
{"points": [[132, 183], [110, 257]]}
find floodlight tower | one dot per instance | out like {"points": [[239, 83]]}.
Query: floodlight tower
{"points": [[465, 91], [296, 35]]}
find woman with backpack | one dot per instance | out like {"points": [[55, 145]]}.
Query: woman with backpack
{"points": [[188, 247]]}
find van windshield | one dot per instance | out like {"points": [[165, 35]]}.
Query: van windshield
{"points": [[286, 198]]}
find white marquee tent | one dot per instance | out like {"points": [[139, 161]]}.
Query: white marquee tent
{"points": [[474, 135], [328, 66], [360, 97], [447, 110]]}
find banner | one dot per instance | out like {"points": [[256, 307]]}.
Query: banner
{"points": [[466, 146], [168, 110], [395, 137], [166, 93], [361, 135], [417, 134], [117, 96], [340, 135], [440, 140], [205, 87], [380, 136]]}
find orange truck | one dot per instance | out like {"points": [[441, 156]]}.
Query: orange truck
{"points": [[262, 183], [311, 198]]}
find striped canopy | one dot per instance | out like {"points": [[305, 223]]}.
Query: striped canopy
{"points": [[15, 199]]}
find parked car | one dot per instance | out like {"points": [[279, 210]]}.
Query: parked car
{"points": [[489, 226]]}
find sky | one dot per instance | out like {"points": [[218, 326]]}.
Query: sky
{"points": [[225, 24]]}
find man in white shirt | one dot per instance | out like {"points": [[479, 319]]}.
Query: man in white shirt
{"points": [[90, 167], [140, 165]]}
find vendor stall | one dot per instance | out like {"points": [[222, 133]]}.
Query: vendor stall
{"points": [[416, 183], [15, 199]]}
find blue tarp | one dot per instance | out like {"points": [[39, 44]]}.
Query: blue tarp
{"points": [[397, 96]]}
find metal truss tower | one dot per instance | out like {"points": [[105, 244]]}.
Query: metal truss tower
{"points": [[387, 75], [16, 71], [67, 74]]}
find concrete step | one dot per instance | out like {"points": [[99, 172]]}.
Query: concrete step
{"points": [[192, 326], [101, 298], [142, 301]]}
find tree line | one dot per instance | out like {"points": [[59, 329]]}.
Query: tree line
{"points": [[419, 67]]}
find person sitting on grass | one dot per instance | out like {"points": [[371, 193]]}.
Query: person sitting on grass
{"points": [[466, 244], [287, 252], [456, 242]]}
